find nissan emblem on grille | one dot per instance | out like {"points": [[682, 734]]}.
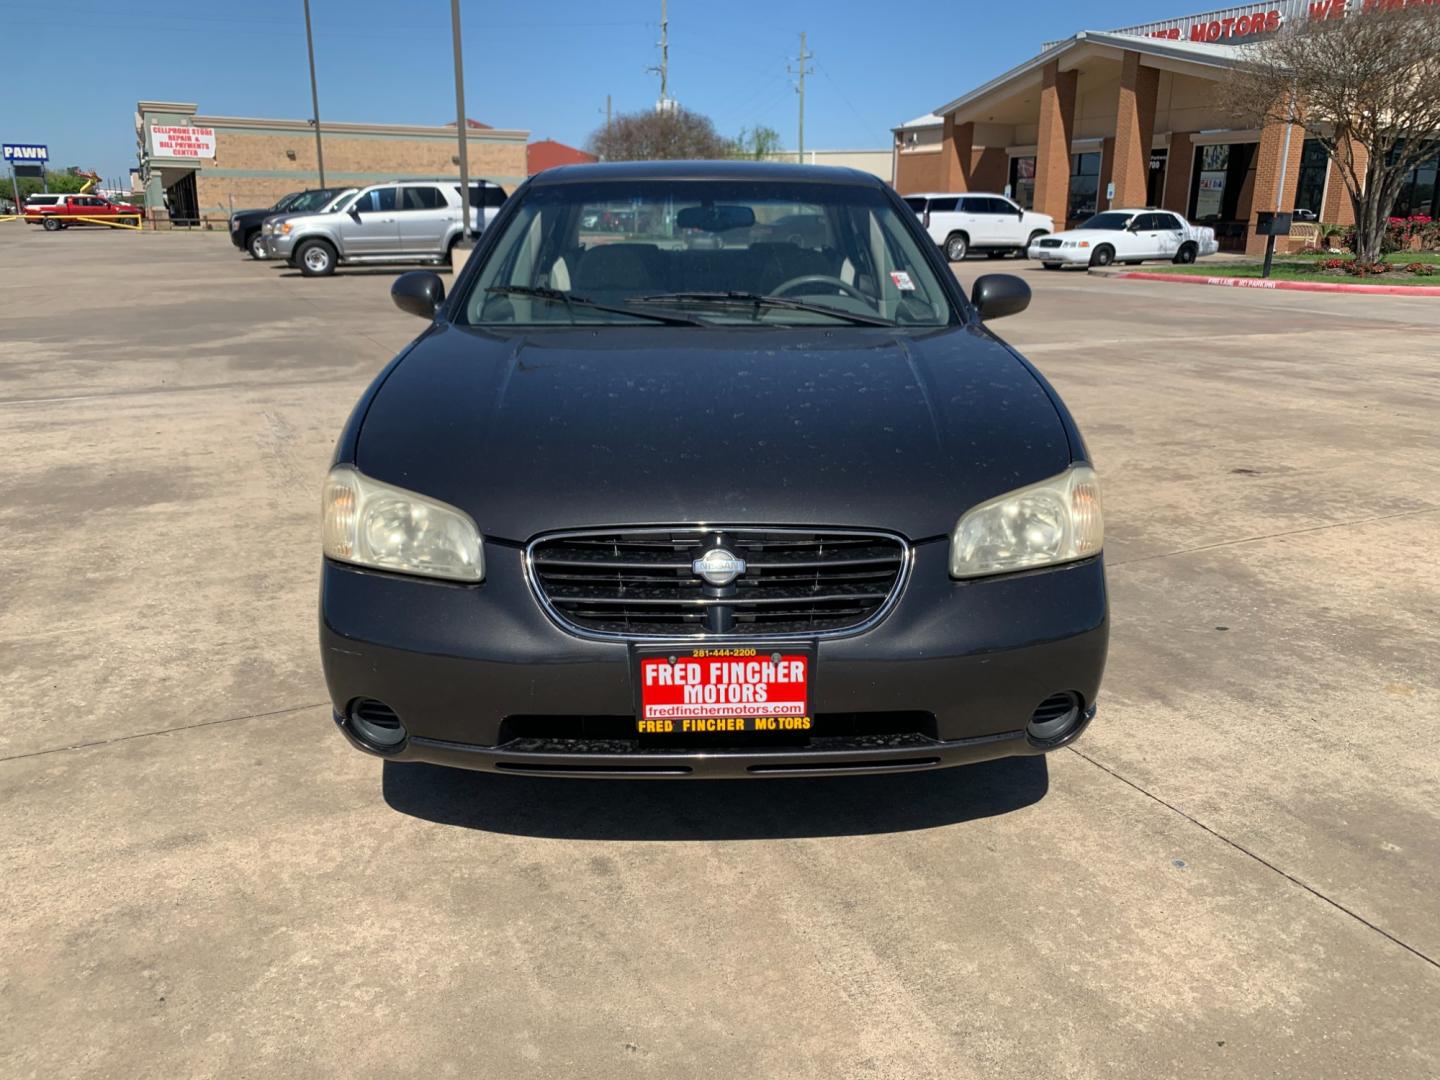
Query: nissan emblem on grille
{"points": [[718, 567]]}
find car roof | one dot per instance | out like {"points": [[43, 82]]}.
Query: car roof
{"points": [[953, 194], [704, 170]]}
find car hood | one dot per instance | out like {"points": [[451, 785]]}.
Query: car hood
{"points": [[1093, 235], [590, 428]]}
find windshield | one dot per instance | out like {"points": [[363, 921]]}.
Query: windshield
{"points": [[310, 200], [1111, 220], [730, 252], [287, 202], [336, 198]]}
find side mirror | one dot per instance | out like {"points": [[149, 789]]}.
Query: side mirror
{"points": [[998, 295], [420, 292]]}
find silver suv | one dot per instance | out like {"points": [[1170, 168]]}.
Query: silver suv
{"points": [[395, 221]]}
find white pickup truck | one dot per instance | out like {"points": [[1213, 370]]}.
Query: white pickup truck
{"points": [[1127, 236], [978, 222]]}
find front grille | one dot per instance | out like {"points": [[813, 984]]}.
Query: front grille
{"points": [[1049, 243], [641, 583]]}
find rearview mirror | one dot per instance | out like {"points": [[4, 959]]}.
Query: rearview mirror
{"points": [[998, 295], [420, 292], [715, 218]]}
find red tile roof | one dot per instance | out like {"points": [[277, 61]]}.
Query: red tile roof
{"points": [[547, 153]]}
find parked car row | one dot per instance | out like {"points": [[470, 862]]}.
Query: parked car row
{"points": [[993, 224], [396, 221]]}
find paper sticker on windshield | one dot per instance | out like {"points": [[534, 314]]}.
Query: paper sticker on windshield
{"points": [[902, 281]]}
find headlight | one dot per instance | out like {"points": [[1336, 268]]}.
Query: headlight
{"points": [[1055, 521], [369, 523]]}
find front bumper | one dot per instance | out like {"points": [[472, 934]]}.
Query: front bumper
{"points": [[1063, 256], [454, 662], [279, 246]]}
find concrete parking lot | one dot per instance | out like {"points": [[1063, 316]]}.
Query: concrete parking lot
{"points": [[1235, 873]]}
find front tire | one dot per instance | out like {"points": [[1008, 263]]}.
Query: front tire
{"points": [[1024, 252], [1185, 255], [315, 258], [53, 224], [957, 246], [1104, 255], [252, 244]]}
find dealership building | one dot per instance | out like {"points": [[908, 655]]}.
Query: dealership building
{"points": [[202, 167], [1133, 117]]}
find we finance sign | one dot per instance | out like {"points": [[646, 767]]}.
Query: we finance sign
{"points": [[26, 153]]}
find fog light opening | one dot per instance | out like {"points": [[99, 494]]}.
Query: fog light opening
{"points": [[375, 723], [1055, 717]]}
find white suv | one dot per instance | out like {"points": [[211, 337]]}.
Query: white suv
{"points": [[976, 221]]}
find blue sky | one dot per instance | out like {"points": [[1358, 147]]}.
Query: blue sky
{"points": [[545, 65]]}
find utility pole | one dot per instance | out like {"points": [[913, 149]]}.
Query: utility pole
{"points": [[664, 69], [607, 112], [461, 124], [801, 70], [314, 96]]}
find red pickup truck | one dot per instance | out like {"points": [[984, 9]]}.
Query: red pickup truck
{"points": [[56, 215]]}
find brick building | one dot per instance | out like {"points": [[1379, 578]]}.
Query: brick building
{"points": [[204, 166], [1136, 108]]}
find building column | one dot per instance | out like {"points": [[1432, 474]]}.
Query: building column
{"points": [[1134, 129], [1178, 164], [957, 147], [1338, 209], [1268, 162], [1052, 142], [1107, 174]]}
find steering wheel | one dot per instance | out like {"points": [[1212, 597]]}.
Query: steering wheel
{"points": [[784, 288]]}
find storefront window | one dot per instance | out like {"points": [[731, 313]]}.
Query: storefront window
{"points": [[1155, 184], [1418, 193], [1022, 181], [1210, 186], [1310, 184], [1084, 185]]}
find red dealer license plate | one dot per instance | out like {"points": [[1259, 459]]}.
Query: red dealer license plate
{"points": [[724, 690]]}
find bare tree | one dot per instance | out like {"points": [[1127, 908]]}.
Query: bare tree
{"points": [[758, 143], [670, 134], [1366, 83]]}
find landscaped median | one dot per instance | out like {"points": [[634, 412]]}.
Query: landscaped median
{"points": [[1401, 274]]}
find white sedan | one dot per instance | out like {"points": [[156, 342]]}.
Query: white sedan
{"points": [[1127, 236]]}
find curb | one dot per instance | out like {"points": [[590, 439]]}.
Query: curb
{"points": [[1288, 286]]}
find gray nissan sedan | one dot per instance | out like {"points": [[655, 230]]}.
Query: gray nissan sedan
{"points": [[671, 487]]}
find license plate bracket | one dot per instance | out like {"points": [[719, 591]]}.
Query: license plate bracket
{"points": [[723, 691]]}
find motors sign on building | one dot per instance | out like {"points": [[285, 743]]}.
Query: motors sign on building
{"points": [[26, 153], [182, 142]]}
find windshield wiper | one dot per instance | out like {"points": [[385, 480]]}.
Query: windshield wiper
{"points": [[571, 301], [734, 296]]}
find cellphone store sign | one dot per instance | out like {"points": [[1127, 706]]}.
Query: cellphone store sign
{"points": [[182, 142]]}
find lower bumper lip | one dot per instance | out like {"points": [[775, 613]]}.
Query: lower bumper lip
{"points": [[921, 756]]}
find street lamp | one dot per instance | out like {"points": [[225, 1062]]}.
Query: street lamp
{"points": [[314, 96], [460, 122]]}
